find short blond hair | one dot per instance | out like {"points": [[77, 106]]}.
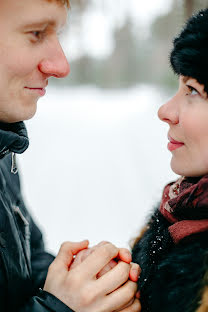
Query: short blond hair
{"points": [[64, 2]]}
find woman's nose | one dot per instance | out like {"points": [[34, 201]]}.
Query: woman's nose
{"points": [[168, 112]]}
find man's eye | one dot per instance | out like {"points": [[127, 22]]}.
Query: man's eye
{"points": [[37, 34], [192, 90]]}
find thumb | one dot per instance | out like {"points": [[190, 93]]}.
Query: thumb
{"points": [[67, 251], [124, 255]]}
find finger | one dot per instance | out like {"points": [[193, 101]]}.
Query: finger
{"points": [[79, 258], [122, 296], [134, 307], [83, 254], [101, 243], [113, 278], [96, 261], [124, 255], [134, 272], [126, 305], [66, 252], [93, 248], [107, 268]]}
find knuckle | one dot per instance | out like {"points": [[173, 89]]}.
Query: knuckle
{"points": [[109, 250], [103, 243], [65, 245]]}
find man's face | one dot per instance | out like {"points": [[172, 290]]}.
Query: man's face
{"points": [[30, 53]]}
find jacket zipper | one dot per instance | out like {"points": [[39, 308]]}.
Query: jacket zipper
{"points": [[14, 169]]}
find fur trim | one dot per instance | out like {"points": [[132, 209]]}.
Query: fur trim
{"points": [[139, 237], [173, 278], [204, 303]]}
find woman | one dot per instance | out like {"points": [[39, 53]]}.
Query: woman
{"points": [[172, 249]]}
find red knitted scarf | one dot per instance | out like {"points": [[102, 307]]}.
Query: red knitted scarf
{"points": [[185, 205]]}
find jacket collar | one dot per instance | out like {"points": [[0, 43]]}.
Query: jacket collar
{"points": [[13, 138]]}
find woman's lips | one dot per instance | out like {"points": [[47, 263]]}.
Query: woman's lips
{"points": [[173, 144]]}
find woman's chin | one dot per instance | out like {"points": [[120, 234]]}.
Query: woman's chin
{"points": [[187, 172], [179, 169]]}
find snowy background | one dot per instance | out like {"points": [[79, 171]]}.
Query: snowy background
{"points": [[98, 159], [96, 164]]}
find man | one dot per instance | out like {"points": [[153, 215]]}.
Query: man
{"points": [[30, 53]]}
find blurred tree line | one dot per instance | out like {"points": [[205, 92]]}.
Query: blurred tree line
{"points": [[136, 58]]}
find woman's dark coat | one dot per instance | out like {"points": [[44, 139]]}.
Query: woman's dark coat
{"points": [[174, 277], [23, 260]]}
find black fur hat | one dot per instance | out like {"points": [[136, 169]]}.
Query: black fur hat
{"points": [[189, 56]]}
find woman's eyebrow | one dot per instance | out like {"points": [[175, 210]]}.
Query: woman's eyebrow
{"points": [[185, 78]]}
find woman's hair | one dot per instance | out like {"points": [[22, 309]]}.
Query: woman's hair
{"points": [[189, 56]]}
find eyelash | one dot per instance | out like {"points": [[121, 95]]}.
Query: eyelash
{"points": [[190, 88], [38, 34]]}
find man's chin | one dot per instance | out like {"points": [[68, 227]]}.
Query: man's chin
{"points": [[18, 117]]}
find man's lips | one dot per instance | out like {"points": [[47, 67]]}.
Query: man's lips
{"points": [[173, 144], [40, 90]]}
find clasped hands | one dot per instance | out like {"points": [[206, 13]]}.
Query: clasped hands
{"points": [[97, 279]]}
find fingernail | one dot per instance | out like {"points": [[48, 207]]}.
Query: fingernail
{"points": [[128, 254], [136, 267], [136, 273]]}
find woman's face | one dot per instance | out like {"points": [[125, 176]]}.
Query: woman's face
{"points": [[187, 116]]}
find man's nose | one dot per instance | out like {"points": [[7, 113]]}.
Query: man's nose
{"points": [[55, 64], [168, 112]]}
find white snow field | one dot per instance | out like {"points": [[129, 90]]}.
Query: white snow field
{"points": [[96, 164]]}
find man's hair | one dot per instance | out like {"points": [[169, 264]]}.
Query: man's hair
{"points": [[64, 2], [189, 56]]}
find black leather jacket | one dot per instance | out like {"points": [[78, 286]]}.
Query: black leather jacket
{"points": [[23, 260]]}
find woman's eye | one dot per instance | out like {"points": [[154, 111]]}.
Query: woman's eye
{"points": [[192, 90]]}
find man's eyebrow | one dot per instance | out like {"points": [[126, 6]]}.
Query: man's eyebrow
{"points": [[40, 23]]}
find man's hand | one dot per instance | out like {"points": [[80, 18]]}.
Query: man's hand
{"points": [[81, 290], [123, 255]]}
